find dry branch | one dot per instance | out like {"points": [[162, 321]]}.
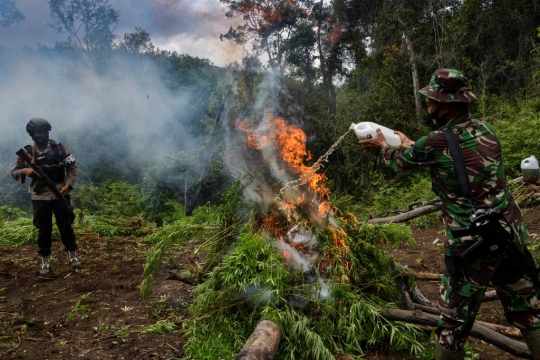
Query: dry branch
{"points": [[408, 215], [262, 343], [427, 207], [480, 332], [424, 203]]}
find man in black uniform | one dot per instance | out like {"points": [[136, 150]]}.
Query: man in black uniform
{"points": [[59, 165]]}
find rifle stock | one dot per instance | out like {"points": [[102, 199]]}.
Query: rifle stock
{"points": [[45, 180]]}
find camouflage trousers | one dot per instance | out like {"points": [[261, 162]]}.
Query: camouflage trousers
{"points": [[460, 298]]}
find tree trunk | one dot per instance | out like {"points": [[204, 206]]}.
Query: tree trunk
{"points": [[263, 342], [191, 204], [416, 81]]}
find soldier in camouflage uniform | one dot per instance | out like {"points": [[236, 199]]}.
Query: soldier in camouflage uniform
{"points": [[464, 284]]}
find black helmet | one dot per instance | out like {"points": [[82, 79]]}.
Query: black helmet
{"points": [[37, 124]]}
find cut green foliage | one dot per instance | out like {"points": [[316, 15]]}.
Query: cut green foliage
{"points": [[21, 231], [121, 331], [319, 317], [9, 213], [160, 327], [107, 226], [219, 236], [251, 276], [176, 232], [391, 234]]}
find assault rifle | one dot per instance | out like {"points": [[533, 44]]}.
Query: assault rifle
{"points": [[45, 180], [494, 242]]}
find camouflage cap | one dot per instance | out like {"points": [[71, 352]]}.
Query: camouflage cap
{"points": [[448, 85]]}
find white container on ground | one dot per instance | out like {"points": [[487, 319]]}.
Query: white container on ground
{"points": [[529, 167], [367, 130]]}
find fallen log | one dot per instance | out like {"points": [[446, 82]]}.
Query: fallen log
{"points": [[402, 287], [419, 298], [489, 296], [505, 330], [480, 332], [262, 343], [425, 276], [423, 203], [428, 209]]}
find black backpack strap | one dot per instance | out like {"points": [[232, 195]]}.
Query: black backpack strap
{"points": [[455, 151]]}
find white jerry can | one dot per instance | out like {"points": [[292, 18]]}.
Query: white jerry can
{"points": [[366, 130]]}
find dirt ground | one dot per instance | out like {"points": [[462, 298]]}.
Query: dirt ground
{"points": [[96, 312]]}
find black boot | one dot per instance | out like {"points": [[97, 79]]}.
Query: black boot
{"points": [[72, 257], [45, 265]]}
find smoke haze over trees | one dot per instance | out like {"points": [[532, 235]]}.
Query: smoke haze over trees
{"points": [[131, 110], [168, 107]]}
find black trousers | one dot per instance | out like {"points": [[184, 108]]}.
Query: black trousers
{"points": [[43, 211]]}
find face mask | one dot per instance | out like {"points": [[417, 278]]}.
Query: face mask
{"points": [[434, 121], [41, 140]]}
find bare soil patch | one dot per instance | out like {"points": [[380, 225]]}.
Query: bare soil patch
{"points": [[96, 312]]}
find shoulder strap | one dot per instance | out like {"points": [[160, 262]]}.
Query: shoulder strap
{"points": [[54, 145], [455, 151]]}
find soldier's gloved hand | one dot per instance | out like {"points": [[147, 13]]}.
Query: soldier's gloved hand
{"points": [[30, 173]]}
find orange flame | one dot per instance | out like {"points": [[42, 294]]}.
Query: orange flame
{"points": [[271, 225], [290, 142]]}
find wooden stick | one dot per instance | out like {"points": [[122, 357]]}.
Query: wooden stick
{"points": [[408, 215]]}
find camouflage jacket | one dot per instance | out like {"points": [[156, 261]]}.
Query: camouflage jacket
{"points": [[481, 151]]}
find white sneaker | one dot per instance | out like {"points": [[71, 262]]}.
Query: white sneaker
{"points": [[72, 257]]}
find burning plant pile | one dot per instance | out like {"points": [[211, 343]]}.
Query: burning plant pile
{"points": [[300, 261]]}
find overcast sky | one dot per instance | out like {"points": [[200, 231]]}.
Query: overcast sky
{"points": [[185, 26]]}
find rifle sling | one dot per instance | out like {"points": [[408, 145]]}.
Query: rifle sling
{"points": [[523, 258], [455, 151]]}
